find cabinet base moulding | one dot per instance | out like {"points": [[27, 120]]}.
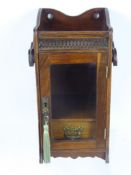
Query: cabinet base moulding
{"points": [[78, 153]]}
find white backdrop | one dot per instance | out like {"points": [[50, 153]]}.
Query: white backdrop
{"points": [[18, 112]]}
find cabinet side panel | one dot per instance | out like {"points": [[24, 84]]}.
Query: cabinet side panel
{"points": [[101, 98], [38, 96], [108, 97]]}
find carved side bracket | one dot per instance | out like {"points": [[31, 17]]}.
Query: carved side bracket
{"points": [[114, 55], [31, 58]]}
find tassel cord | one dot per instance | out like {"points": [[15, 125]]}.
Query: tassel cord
{"points": [[46, 140]]}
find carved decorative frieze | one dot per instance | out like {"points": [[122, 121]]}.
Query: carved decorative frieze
{"points": [[80, 43]]}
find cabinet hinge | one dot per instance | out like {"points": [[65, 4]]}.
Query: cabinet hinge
{"points": [[105, 134], [107, 71]]}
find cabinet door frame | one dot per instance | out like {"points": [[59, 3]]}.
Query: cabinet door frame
{"points": [[100, 58]]}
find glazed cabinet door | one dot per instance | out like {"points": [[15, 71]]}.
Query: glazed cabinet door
{"points": [[75, 85]]}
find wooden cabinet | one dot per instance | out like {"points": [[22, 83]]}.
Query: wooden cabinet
{"points": [[73, 59]]}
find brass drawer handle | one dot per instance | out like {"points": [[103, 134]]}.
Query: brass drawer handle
{"points": [[73, 132]]}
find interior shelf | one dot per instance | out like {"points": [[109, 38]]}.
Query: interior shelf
{"points": [[73, 140]]}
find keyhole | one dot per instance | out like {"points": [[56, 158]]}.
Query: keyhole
{"points": [[45, 104]]}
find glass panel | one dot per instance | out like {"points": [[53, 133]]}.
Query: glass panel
{"points": [[73, 92]]}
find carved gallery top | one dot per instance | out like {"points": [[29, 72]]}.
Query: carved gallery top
{"points": [[92, 20]]}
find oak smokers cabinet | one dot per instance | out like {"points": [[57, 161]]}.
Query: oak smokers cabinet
{"points": [[73, 58]]}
